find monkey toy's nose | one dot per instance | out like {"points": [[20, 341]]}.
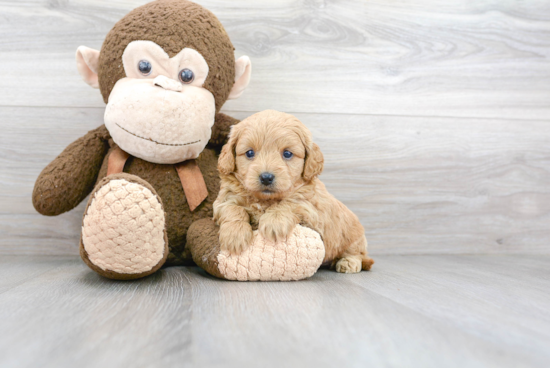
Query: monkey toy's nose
{"points": [[266, 178], [167, 83]]}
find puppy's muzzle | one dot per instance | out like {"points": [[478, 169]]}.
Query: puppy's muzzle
{"points": [[267, 178]]}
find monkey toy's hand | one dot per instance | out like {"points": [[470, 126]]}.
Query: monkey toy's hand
{"points": [[71, 176]]}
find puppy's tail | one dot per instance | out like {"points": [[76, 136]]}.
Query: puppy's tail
{"points": [[366, 263]]}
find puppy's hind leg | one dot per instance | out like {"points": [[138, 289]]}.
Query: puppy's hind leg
{"points": [[355, 258], [367, 262]]}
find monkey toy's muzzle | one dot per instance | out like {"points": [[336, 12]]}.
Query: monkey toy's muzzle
{"points": [[160, 120]]}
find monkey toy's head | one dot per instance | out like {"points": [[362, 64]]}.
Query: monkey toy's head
{"points": [[164, 70]]}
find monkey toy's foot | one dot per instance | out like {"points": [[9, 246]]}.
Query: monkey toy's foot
{"points": [[123, 230]]}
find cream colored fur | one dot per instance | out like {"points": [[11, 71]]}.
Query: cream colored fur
{"points": [[297, 196], [123, 229]]}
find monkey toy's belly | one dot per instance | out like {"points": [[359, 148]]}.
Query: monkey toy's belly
{"points": [[165, 180]]}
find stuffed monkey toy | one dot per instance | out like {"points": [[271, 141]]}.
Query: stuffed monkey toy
{"points": [[164, 71]]}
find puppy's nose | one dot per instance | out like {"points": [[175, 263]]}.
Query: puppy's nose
{"points": [[266, 178]]}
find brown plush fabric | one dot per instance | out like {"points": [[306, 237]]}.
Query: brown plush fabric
{"points": [[165, 180], [67, 180], [203, 242], [173, 25], [111, 274], [221, 129]]}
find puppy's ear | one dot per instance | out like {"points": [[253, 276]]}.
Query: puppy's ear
{"points": [[226, 161], [314, 162]]}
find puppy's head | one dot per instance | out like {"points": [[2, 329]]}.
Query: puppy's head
{"points": [[271, 153]]}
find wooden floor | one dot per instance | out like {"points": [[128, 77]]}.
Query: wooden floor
{"points": [[410, 311]]}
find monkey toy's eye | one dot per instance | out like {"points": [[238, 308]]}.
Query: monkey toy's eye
{"points": [[287, 154], [145, 67], [249, 153], [187, 76]]}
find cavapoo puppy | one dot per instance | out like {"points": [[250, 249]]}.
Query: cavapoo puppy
{"points": [[268, 171]]}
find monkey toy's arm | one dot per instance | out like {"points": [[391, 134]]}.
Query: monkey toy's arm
{"points": [[221, 128], [71, 176]]}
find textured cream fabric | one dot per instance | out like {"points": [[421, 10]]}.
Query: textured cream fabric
{"points": [[87, 61], [123, 229], [156, 117], [162, 64], [160, 125], [297, 258], [243, 70]]}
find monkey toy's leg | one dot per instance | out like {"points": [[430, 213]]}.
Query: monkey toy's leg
{"points": [[123, 230]]}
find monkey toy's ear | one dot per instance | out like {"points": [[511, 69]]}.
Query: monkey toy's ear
{"points": [[243, 69], [87, 60]]}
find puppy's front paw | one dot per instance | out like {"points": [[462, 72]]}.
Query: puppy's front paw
{"points": [[235, 236], [276, 227], [348, 265]]}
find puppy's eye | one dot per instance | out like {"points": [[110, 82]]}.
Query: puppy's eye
{"points": [[187, 76], [287, 154], [249, 153], [145, 67]]}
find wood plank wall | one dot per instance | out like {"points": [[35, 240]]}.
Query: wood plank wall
{"points": [[434, 117]]}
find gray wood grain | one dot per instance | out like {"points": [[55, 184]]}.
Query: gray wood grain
{"points": [[72, 315], [418, 184], [476, 59], [410, 311]]}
